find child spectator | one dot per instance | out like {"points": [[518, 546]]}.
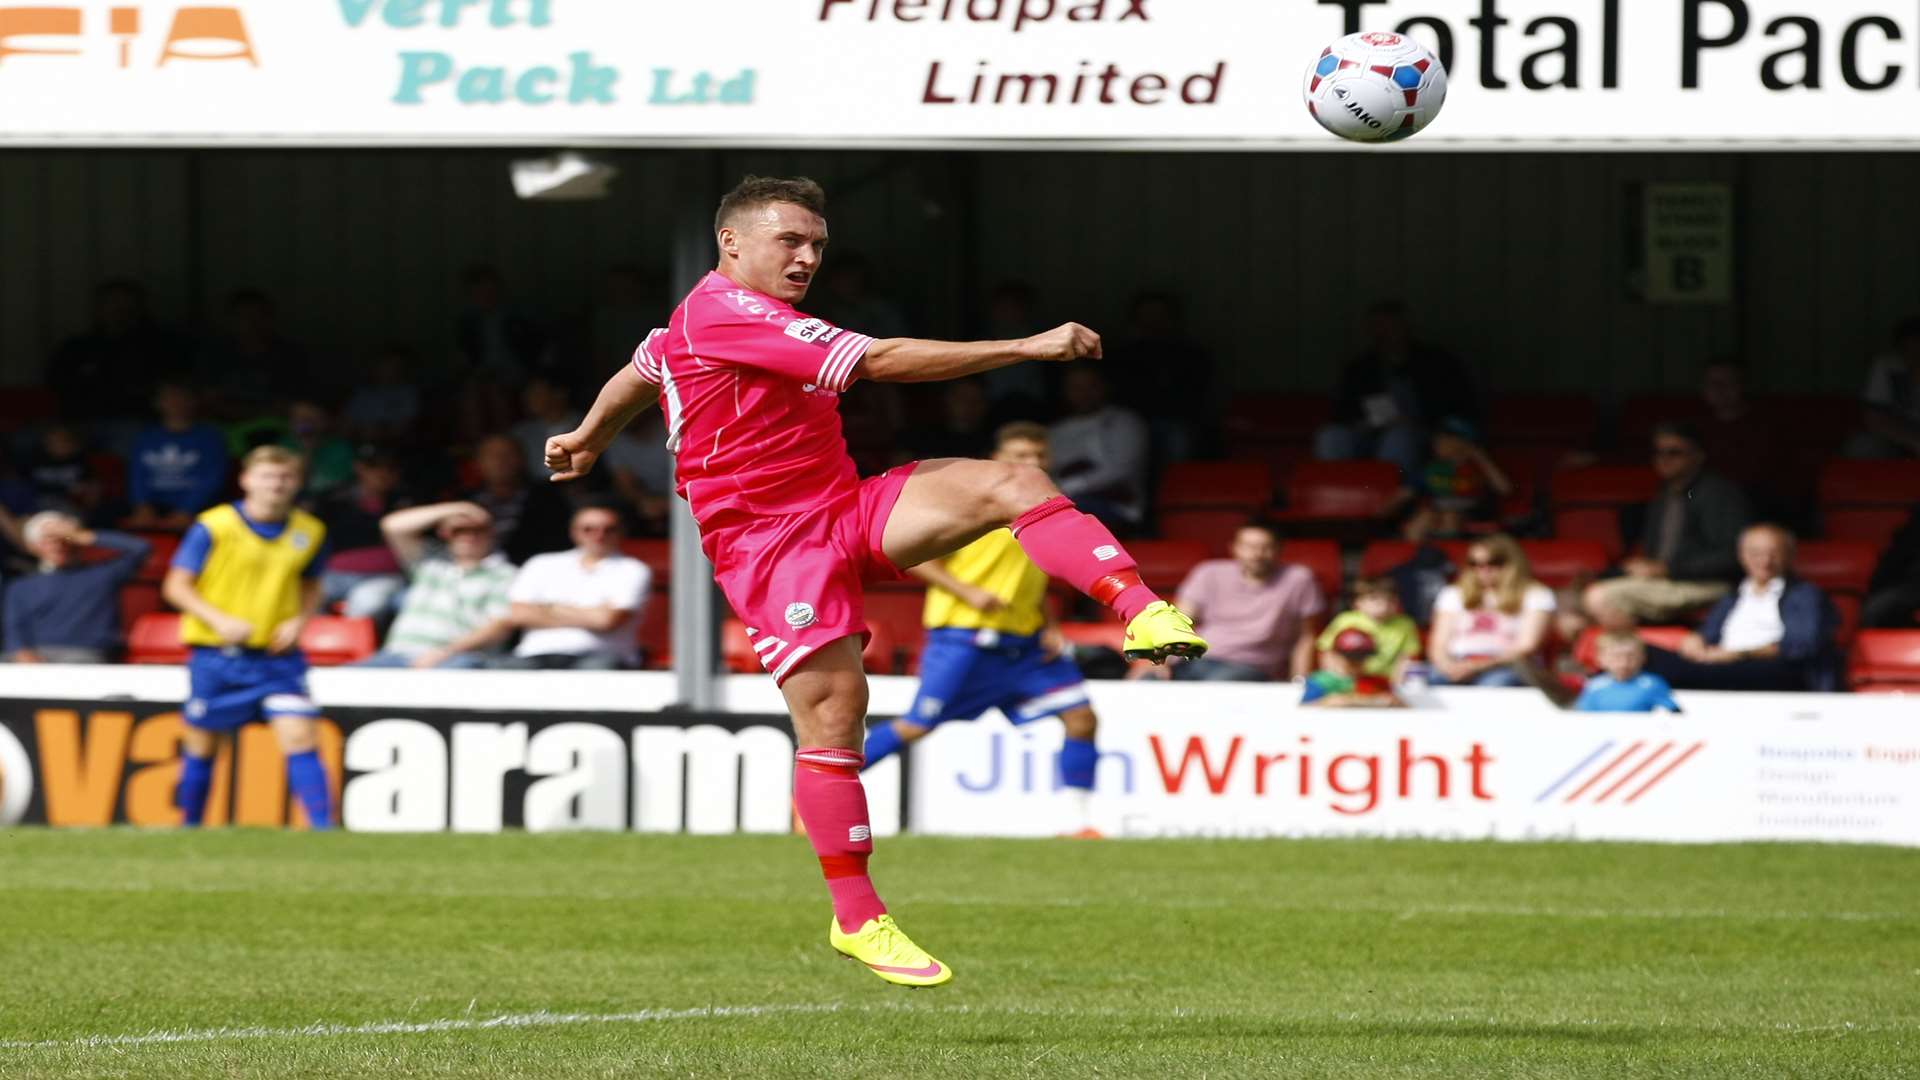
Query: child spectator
{"points": [[1621, 685], [62, 477], [1345, 682], [1458, 487], [1376, 612]]}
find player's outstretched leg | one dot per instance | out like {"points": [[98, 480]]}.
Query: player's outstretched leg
{"points": [[887, 739], [948, 503], [827, 695]]}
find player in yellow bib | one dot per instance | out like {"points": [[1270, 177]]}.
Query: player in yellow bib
{"points": [[247, 578], [992, 645]]}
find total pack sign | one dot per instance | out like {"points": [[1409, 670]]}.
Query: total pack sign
{"points": [[811, 73], [1498, 765]]}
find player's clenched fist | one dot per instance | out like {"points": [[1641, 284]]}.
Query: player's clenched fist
{"points": [[568, 456], [1069, 342]]}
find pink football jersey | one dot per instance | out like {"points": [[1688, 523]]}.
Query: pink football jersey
{"points": [[751, 391]]}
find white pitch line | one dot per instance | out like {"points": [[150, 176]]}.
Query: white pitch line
{"points": [[396, 1027]]}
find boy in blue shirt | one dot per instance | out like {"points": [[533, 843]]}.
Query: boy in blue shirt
{"points": [[1622, 686]]}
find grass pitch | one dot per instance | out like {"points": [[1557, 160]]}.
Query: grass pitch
{"points": [[266, 954]]}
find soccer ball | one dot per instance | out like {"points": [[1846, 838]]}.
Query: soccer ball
{"points": [[1375, 87]]}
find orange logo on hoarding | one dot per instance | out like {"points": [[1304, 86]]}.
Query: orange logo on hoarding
{"points": [[196, 33]]}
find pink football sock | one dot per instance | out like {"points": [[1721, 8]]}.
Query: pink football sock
{"points": [[833, 807], [1078, 550]]}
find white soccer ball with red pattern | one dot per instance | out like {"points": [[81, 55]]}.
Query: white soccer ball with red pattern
{"points": [[1375, 87]]}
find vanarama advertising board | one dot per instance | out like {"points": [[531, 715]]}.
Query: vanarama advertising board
{"points": [[483, 751], [811, 73]]}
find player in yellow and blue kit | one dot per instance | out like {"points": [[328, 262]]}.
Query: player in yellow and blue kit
{"points": [[990, 645], [247, 578]]}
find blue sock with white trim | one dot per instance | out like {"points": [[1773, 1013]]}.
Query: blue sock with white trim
{"points": [[1077, 759], [190, 794], [882, 740], [308, 779]]}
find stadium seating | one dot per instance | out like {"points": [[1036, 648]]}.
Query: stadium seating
{"points": [[656, 629], [1543, 418], [1587, 502], [332, 640], [1869, 484], [1109, 634], [1585, 649], [1556, 562], [164, 545], [1212, 527], [139, 598], [1381, 556], [1339, 491], [155, 639], [656, 553], [1262, 418], [1243, 485], [1321, 558], [1885, 661], [899, 611], [1869, 525]]}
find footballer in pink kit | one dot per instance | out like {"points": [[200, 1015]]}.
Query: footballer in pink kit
{"points": [[750, 387]]}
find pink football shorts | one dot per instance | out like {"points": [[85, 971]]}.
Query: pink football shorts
{"points": [[797, 580]]}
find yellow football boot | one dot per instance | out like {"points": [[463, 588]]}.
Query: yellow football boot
{"points": [[1160, 631], [889, 953]]}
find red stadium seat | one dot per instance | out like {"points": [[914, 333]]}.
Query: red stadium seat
{"points": [[1321, 558], [155, 639], [900, 612], [1586, 648], [1604, 485], [332, 640], [1599, 524], [1664, 637], [139, 598], [1109, 634], [656, 628], [1556, 562], [1164, 563], [1846, 607], [1838, 566], [1339, 490], [656, 553], [1529, 468], [1212, 527], [1241, 485], [1381, 556], [161, 557], [1890, 484], [1874, 526], [1277, 417], [1885, 660], [1550, 418], [880, 655]]}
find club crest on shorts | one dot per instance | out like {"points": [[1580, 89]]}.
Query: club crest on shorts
{"points": [[799, 615]]}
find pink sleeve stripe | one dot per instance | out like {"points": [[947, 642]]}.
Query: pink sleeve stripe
{"points": [[645, 364], [836, 373]]}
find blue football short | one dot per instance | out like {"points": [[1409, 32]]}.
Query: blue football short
{"points": [[230, 687], [963, 673]]}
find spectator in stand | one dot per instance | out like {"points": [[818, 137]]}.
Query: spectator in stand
{"points": [[1622, 685], [62, 475], [1737, 439], [1392, 638], [1100, 452], [1460, 485], [107, 373], [1259, 616], [1892, 400], [69, 612], [1018, 392], [329, 457], [639, 468], [963, 431], [361, 573], [179, 466], [1164, 374], [1687, 547], [1346, 679], [529, 518], [1774, 633], [1389, 395], [1893, 596], [548, 413], [1491, 620], [385, 406], [251, 367], [580, 609], [455, 613]]}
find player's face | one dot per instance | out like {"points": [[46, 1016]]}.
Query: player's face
{"points": [[1024, 452], [271, 487], [776, 249]]}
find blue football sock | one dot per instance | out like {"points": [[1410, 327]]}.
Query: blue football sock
{"points": [[308, 779], [882, 740], [190, 795], [1077, 759]]}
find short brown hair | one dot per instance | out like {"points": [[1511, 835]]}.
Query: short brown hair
{"points": [[754, 192], [1374, 586], [273, 455], [1019, 429], [1626, 639]]}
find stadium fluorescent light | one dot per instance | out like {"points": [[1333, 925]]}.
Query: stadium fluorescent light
{"points": [[563, 176]]}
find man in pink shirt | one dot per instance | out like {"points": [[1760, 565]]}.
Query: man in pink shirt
{"points": [[750, 388], [1260, 617]]}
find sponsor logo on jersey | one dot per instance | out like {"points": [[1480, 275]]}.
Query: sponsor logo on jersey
{"points": [[799, 615], [812, 331]]}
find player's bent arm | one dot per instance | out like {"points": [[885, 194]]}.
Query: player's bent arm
{"points": [[179, 589], [625, 396], [922, 360]]}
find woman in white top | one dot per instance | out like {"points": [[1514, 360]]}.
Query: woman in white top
{"points": [[1493, 615]]}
